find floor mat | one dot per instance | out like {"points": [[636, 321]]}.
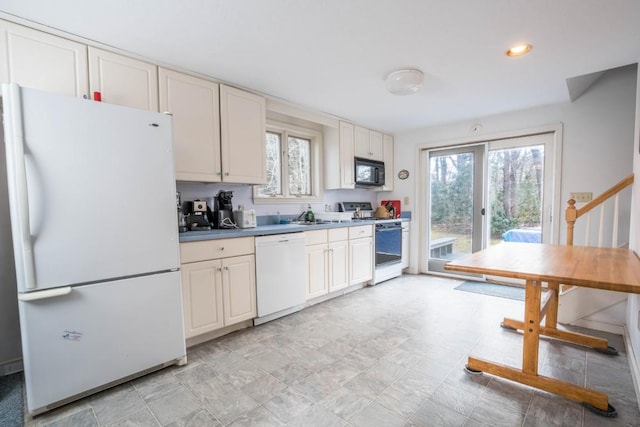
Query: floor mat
{"points": [[11, 401], [502, 291]]}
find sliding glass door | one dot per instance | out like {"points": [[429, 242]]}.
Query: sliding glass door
{"points": [[455, 204], [484, 194], [515, 194]]}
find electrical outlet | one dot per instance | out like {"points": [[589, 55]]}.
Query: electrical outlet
{"points": [[581, 197], [406, 200]]}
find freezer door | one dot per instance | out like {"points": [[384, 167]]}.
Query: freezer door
{"points": [[97, 334], [93, 195]]}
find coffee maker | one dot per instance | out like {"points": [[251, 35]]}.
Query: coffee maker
{"points": [[197, 217], [223, 212]]}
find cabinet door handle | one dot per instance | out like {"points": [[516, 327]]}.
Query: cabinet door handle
{"points": [[226, 174], [219, 269], [221, 248]]}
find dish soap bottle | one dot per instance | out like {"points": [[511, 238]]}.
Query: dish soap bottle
{"points": [[310, 217]]}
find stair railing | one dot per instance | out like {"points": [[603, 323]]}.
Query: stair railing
{"points": [[572, 214]]}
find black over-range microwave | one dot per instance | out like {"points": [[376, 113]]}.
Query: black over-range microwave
{"points": [[368, 173]]}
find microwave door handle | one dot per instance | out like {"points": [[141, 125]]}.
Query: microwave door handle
{"points": [[18, 174], [376, 175]]}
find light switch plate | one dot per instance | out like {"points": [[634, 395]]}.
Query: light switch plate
{"points": [[581, 197]]}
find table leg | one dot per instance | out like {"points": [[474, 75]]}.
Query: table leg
{"points": [[531, 327], [550, 328], [561, 388], [551, 318]]}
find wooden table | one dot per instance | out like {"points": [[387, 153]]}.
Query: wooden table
{"points": [[599, 268]]}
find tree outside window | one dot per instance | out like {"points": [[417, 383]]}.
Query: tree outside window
{"points": [[289, 164], [299, 166]]}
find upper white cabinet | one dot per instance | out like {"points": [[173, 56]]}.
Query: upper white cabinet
{"points": [[338, 157], [387, 157], [122, 80], [348, 141], [368, 143], [195, 106], [218, 130], [42, 61], [242, 136]]}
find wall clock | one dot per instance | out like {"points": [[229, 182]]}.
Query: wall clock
{"points": [[403, 174]]}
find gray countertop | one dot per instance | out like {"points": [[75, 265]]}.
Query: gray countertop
{"points": [[265, 230]]}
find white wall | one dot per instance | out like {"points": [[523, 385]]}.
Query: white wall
{"points": [[597, 141], [242, 195]]}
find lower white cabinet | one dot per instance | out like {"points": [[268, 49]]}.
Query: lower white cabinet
{"points": [[327, 261], [361, 253], [239, 289], [317, 283], [202, 297], [338, 265], [404, 262], [218, 284]]}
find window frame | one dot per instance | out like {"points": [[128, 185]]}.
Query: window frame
{"points": [[315, 137]]}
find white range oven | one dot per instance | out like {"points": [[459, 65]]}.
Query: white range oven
{"points": [[388, 250]]}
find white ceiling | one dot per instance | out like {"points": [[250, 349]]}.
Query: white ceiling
{"points": [[333, 55]]}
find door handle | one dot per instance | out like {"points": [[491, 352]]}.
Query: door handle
{"points": [[48, 293], [17, 172], [483, 211]]}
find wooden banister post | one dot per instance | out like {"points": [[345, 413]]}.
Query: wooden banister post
{"points": [[570, 215]]}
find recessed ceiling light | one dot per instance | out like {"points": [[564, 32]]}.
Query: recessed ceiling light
{"points": [[404, 82], [519, 50]]}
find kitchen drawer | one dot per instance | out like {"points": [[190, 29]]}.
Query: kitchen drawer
{"points": [[338, 234], [315, 237], [216, 249], [360, 231]]}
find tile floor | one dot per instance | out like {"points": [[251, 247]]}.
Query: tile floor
{"points": [[389, 355]]}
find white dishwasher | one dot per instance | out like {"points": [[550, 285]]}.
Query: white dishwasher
{"points": [[280, 275]]}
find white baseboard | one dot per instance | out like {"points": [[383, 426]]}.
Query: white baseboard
{"points": [[10, 367], [612, 328], [633, 364]]}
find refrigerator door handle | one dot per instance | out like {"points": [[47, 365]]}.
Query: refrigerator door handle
{"points": [[20, 179], [49, 293]]}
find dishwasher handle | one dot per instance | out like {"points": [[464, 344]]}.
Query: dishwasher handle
{"points": [[283, 238]]}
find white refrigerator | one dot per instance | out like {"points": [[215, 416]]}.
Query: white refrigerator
{"points": [[93, 221]]}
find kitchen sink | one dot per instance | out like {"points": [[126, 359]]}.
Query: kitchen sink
{"points": [[310, 223]]}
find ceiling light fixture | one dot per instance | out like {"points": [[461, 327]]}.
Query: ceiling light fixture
{"points": [[519, 50], [404, 82]]}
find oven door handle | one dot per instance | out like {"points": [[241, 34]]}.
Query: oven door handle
{"points": [[380, 228]]}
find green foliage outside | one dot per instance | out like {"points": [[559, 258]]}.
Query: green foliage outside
{"points": [[515, 189]]}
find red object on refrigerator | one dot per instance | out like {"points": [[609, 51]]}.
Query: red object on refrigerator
{"points": [[396, 206]]}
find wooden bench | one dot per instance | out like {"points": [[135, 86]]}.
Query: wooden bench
{"points": [[441, 247]]}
